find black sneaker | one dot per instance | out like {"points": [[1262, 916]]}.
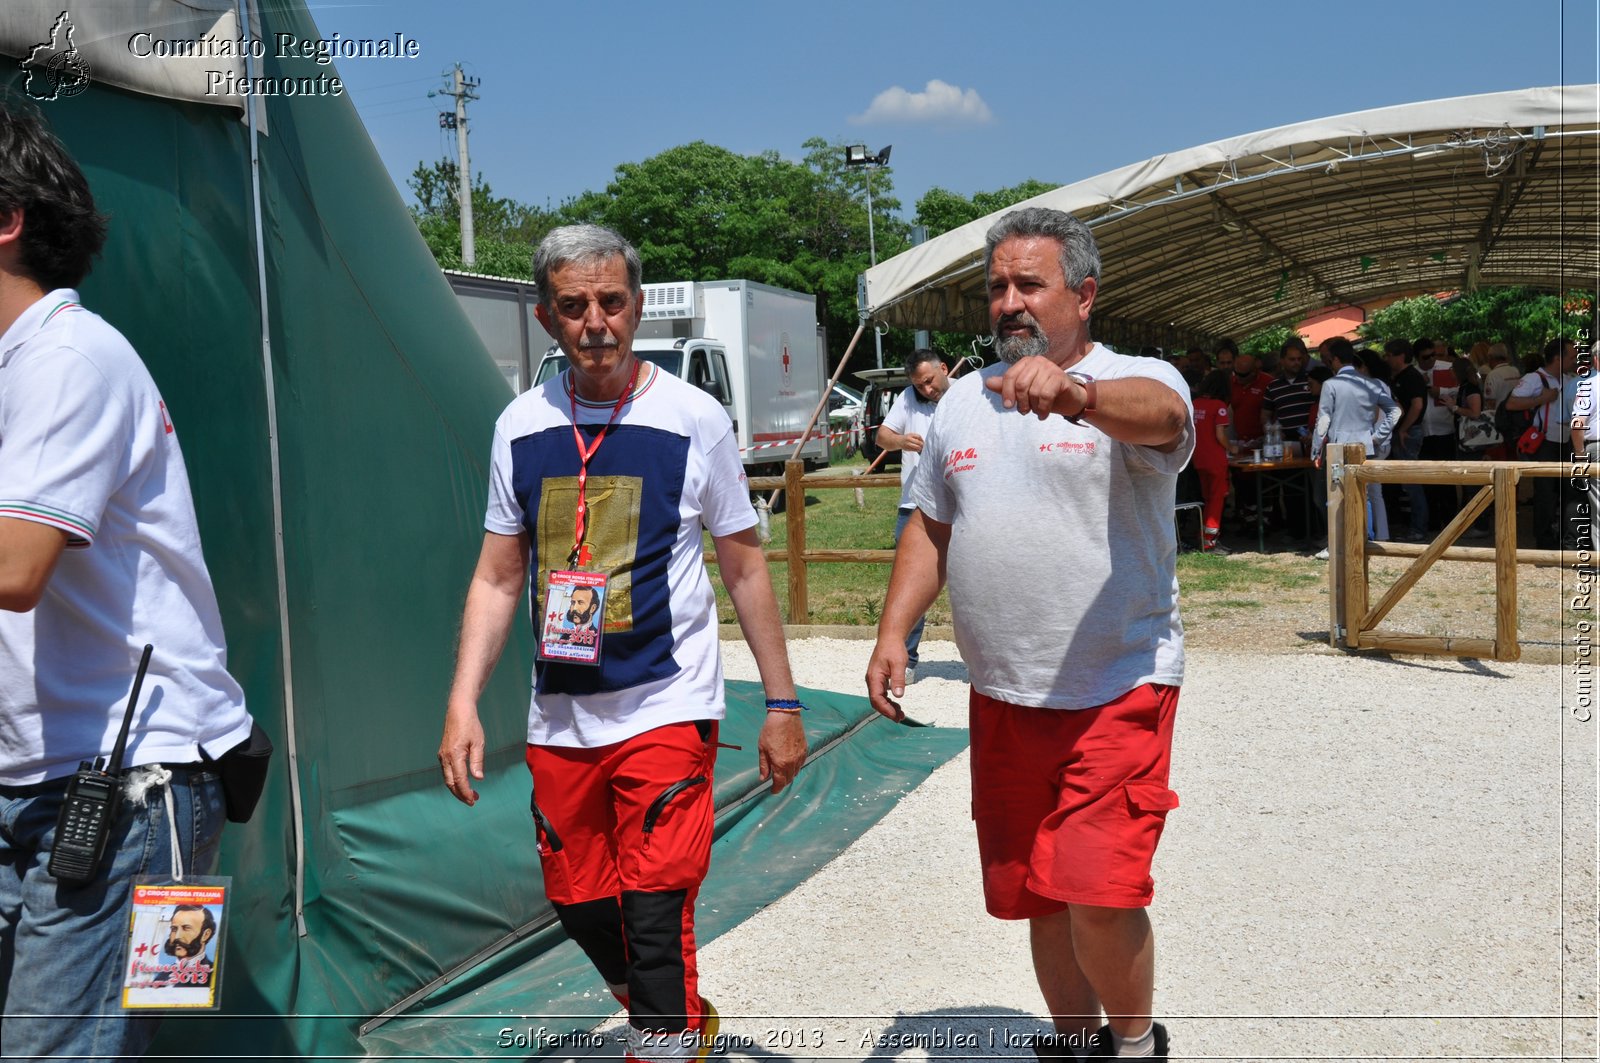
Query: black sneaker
{"points": [[1103, 1047], [1062, 1047]]}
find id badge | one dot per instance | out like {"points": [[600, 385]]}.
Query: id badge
{"points": [[174, 951], [574, 617]]}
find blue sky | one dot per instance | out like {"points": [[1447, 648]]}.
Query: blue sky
{"points": [[1056, 91]]}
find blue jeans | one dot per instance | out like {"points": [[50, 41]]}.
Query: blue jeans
{"points": [[63, 946], [914, 639]]}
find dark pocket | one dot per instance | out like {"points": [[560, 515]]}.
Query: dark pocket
{"points": [[659, 805], [552, 856]]}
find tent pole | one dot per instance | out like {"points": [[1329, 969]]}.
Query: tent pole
{"points": [[295, 803], [822, 404]]}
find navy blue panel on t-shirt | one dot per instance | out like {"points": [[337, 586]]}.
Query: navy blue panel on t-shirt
{"points": [[644, 468]]}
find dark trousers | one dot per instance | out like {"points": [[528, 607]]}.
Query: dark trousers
{"points": [[1547, 499], [1443, 504]]}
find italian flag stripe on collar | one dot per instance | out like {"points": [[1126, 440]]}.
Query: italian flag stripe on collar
{"points": [[67, 304]]}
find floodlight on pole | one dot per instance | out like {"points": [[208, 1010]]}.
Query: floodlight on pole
{"points": [[857, 155]]}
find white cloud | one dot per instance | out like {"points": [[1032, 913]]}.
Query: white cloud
{"points": [[939, 102]]}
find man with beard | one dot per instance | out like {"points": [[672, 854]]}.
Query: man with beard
{"points": [[189, 934], [582, 609], [1065, 453], [904, 430]]}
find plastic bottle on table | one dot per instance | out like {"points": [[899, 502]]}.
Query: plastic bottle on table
{"points": [[1272, 448]]}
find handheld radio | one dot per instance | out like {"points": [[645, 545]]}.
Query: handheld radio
{"points": [[91, 802]]}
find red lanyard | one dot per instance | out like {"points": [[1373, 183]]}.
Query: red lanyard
{"points": [[580, 552]]}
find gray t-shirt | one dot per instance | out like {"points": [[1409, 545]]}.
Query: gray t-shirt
{"points": [[1063, 559]]}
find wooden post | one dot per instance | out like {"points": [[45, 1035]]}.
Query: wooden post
{"points": [[1506, 646], [1334, 471], [795, 508], [1354, 543]]}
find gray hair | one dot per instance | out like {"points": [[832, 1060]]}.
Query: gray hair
{"points": [[1080, 258], [581, 244]]}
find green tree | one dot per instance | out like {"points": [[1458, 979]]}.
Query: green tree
{"points": [[1523, 318], [504, 230], [1269, 340], [1421, 315], [941, 210]]}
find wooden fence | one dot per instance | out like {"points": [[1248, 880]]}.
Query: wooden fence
{"points": [[793, 484], [1353, 621]]}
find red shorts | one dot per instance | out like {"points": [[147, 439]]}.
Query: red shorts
{"points": [[1069, 804]]}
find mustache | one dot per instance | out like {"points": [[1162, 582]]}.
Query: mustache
{"points": [[597, 345], [1020, 319]]}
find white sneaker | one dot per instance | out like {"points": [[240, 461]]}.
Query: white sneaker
{"points": [[1321, 555]]}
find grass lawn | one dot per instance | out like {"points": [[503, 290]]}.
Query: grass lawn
{"points": [[842, 593]]}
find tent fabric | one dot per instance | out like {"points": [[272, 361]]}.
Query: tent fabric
{"points": [[1231, 236], [765, 845], [177, 49], [385, 401]]}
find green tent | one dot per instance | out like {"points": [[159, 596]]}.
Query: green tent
{"points": [[335, 408]]}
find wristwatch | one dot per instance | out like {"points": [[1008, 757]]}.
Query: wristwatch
{"points": [[1087, 382]]}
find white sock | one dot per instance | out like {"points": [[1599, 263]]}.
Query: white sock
{"points": [[1143, 1045]]}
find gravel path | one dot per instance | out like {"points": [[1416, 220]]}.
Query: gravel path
{"points": [[1374, 859], [1368, 863]]}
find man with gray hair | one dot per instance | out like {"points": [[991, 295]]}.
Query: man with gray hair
{"points": [[904, 430], [604, 478], [1058, 466]]}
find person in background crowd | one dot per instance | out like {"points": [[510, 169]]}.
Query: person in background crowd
{"points": [[905, 429], [1501, 377], [1212, 449], [1356, 409], [1466, 406], [1540, 394], [1249, 390], [1225, 353], [1478, 355], [1438, 423], [1411, 392], [1289, 396]]}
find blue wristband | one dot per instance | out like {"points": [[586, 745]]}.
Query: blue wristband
{"points": [[785, 704]]}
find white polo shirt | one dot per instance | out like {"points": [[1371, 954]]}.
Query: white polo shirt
{"points": [[87, 446]]}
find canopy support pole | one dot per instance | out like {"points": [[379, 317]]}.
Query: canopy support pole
{"points": [[296, 804]]}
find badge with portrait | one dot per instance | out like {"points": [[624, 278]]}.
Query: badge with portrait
{"points": [[174, 957], [574, 617]]}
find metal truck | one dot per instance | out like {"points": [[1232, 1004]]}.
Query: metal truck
{"points": [[756, 349]]}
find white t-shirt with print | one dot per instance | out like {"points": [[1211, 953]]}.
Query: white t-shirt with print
{"points": [[87, 446], [1062, 563], [667, 468]]}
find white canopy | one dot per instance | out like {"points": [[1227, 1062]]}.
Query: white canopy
{"points": [[180, 49], [1232, 236]]}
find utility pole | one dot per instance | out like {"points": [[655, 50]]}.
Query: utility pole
{"points": [[461, 89]]}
